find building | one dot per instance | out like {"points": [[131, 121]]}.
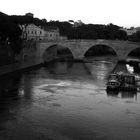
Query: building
{"points": [[32, 32], [52, 33], [130, 31], [47, 33]]}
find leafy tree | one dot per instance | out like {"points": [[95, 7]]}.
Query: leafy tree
{"points": [[135, 37], [10, 34], [121, 35]]}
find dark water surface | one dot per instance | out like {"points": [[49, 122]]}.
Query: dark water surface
{"points": [[68, 101]]}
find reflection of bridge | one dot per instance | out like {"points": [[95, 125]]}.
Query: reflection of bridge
{"points": [[78, 48]]}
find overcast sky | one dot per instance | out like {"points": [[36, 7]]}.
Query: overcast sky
{"points": [[120, 12]]}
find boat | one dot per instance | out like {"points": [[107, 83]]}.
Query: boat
{"points": [[122, 82], [128, 82], [113, 82]]}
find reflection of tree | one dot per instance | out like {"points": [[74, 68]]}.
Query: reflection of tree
{"points": [[5, 115], [9, 86], [26, 89], [128, 94]]}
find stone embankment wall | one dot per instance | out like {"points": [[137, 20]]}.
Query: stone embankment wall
{"points": [[26, 59], [5, 55]]}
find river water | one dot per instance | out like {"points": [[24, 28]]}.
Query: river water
{"points": [[68, 101]]}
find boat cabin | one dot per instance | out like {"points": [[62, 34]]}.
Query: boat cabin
{"points": [[128, 82], [113, 82]]}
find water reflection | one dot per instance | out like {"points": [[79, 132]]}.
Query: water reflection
{"points": [[124, 94], [68, 70], [9, 97], [112, 93], [99, 70], [129, 94], [25, 89], [59, 67], [9, 86]]}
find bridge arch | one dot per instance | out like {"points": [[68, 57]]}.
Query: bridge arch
{"points": [[137, 51], [54, 51], [98, 47]]}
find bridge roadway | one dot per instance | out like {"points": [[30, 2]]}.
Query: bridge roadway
{"points": [[78, 48]]}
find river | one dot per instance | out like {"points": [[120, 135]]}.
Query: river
{"points": [[68, 101]]}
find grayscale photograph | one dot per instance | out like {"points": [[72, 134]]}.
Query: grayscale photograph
{"points": [[70, 70]]}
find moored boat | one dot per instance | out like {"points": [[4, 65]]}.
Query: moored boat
{"points": [[128, 82], [122, 82], [113, 82]]}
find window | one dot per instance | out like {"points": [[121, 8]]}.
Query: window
{"points": [[40, 32]]}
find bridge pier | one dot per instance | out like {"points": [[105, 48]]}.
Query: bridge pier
{"points": [[122, 57], [122, 60]]}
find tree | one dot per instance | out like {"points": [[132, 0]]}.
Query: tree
{"points": [[121, 35], [10, 34], [135, 37]]}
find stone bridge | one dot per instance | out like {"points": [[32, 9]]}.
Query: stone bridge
{"points": [[78, 48]]}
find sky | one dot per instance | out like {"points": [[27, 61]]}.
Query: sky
{"points": [[124, 13]]}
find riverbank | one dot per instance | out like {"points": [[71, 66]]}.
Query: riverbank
{"points": [[19, 66]]}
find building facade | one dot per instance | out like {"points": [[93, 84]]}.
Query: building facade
{"points": [[32, 32], [37, 33], [52, 33]]}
